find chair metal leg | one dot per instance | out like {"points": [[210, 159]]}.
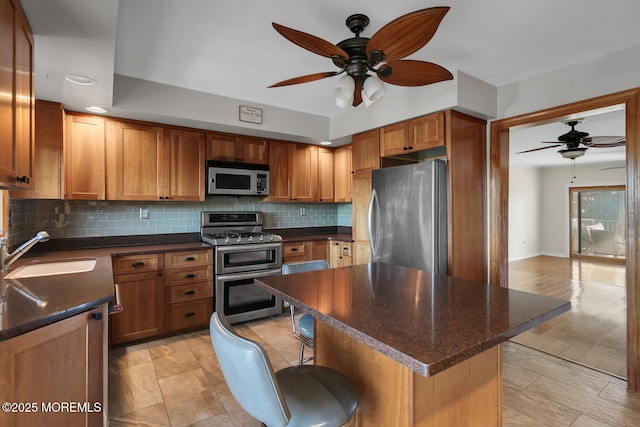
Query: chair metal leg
{"points": [[301, 359]]}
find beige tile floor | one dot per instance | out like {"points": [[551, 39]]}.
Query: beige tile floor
{"points": [[177, 382]]}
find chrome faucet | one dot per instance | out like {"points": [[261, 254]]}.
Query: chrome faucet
{"points": [[6, 258]]}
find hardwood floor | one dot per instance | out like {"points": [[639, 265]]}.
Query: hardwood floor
{"points": [[593, 333], [177, 382]]}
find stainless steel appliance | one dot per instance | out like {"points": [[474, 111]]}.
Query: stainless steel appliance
{"points": [[237, 179], [408, 216], [242, 252]]}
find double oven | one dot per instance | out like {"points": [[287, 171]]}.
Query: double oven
{"points": [[242, 252]]}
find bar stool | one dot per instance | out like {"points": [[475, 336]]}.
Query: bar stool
{"points": [[298, 396], [304, 329]]}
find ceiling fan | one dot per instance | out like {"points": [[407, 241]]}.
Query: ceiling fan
{"points": [[577, 142], [357, 56]]}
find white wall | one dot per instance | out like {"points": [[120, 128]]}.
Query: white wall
{"points": [[547, 209], [524, 212]]}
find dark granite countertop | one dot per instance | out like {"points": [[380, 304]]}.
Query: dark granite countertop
{"points": [[66, 294], [424, 321], [303, 234]]}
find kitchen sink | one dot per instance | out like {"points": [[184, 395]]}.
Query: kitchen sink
{"points": [[39, 269]]}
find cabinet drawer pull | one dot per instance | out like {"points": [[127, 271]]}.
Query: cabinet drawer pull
{"points": [[138, 264], [190, 258], [25, 179], [190, 292], [96, 316], [190, 314], [294, 249], [189, 276]]}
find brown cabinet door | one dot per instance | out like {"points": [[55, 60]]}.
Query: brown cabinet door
{"points": [[47, 174], [137, 171], [326, 172], [25, 104], [253, 150], [343, 175], [61, 362], [7, 111], [427, 132], [84, 154], [184, 175], [279, 190], [221, 147], [360, 211], [304, 172], [366, 151], [394, 139], [142, 299]]}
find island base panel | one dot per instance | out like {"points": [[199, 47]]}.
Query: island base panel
{"points": [[467, 394]]}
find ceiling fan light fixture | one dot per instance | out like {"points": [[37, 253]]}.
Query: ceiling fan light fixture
{"points": [[373, 88], [344, 91], [572, 153]]}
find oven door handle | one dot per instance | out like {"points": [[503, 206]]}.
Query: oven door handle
{"points": [[249, 248], [249, 275]]}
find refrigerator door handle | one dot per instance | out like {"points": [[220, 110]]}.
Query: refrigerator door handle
{"points": [[373, 239]]}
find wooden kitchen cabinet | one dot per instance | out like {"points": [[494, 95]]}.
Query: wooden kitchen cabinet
{"points": [[65, 361], [340, 254], [17, 103], [141, 283], [236, 148], [305, 251], [183, 169], [279, 171], [303, 179], [413, 135], [343, 174], [84, 158], [48, 173], [293, 172], [188, 288], [365, 151], [136, 162], [365, 158], [326, 173]]}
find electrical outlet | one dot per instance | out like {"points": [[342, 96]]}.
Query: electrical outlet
{"points": [[144, 213], [303, 211]]}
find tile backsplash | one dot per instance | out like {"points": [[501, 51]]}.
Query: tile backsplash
{"points": [[66, 219]]}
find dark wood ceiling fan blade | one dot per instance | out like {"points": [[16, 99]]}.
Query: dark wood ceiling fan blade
{"points": [[541, 148], [306, 79], [310, 42], [406, 34], [408, 72]]}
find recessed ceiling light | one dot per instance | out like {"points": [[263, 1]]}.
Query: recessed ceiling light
{"points": [[96, 110], [325, 142], [79, 80]]}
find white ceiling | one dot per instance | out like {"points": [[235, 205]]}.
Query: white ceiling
{"points": [[229, 48]]}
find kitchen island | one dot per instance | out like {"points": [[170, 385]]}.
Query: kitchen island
{"points": [[423, 349]]}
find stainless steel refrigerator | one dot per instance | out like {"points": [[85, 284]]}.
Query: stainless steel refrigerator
{"points": [[408, 216]]}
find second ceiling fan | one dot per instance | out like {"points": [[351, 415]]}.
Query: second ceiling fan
{"points": [[576, 142], [382, 55]]}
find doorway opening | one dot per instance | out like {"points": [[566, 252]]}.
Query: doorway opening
{"points": [[597, 223]]}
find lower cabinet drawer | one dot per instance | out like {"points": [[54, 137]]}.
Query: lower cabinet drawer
{"points": [[188, 292], [185, 315]]}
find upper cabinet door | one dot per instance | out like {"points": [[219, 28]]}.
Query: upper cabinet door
{"points": [[365, 149], [279, 172], [394, 139], [136, 172], [234, 148], [304, 172], [221, 147], [184, 173], [326, 173], [427, 132], [343, 174], [253, 150], [25, 104], [17, 102], [84, 154]]}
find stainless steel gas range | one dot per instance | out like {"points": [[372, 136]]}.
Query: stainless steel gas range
{"points": [[242, 252]]}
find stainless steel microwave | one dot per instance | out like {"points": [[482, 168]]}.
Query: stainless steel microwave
{"points": [[237, 179]]}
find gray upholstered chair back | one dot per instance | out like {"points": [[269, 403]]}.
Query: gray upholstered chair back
{"points": [[304, 266], [249, 374]]}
